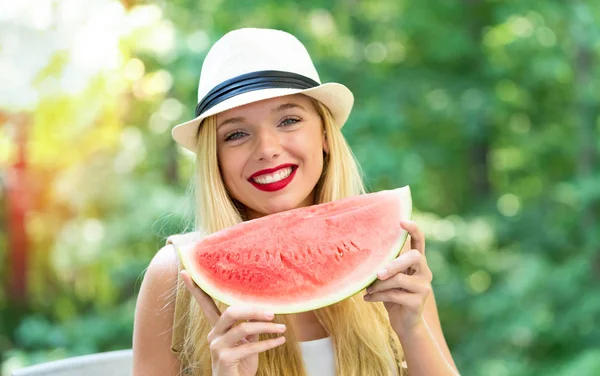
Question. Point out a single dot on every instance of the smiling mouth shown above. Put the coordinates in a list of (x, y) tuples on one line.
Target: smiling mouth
[(273, 177)]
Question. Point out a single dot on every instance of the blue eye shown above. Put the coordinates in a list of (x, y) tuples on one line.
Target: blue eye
[(235, 136), (289, 121)]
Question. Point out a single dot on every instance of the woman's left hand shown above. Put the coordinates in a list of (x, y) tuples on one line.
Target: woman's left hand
[(404, 284)]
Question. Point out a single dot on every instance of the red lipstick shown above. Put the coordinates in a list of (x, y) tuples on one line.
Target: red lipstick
[(275, 186)]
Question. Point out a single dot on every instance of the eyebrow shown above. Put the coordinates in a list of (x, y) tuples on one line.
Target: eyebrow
[(240, 119), (232, 120), (286, 106)]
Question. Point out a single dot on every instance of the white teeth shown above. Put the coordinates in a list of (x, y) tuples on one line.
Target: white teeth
[(274, 177)]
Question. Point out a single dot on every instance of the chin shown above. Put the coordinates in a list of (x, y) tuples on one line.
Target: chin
[(276, 207), (279, 204)]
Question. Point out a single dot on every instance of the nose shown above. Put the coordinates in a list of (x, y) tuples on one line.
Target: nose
[(268, 145)]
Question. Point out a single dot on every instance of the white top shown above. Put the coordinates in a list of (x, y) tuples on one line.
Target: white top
[(318, 357)]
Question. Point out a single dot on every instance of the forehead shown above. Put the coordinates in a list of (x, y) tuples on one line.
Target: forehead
[(265, 106)]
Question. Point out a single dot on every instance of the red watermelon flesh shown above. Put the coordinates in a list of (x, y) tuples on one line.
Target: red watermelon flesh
[(305, 258)]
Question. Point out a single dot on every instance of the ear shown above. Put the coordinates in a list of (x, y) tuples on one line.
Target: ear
[(325, 144)]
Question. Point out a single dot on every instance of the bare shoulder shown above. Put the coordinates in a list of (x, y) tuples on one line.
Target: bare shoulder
[(164, 263), (154, 313)]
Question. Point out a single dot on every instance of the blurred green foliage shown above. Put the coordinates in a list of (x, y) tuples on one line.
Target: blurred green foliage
[(489, 110)]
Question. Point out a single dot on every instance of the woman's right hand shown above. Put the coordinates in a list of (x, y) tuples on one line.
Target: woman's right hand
[(234, 348)]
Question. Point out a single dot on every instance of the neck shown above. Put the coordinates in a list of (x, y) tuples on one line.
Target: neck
[(308, 327)]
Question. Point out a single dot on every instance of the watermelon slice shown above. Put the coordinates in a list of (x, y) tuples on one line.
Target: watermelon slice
[(301, 259)]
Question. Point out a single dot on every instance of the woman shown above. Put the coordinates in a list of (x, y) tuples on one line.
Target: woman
[(267, 139)]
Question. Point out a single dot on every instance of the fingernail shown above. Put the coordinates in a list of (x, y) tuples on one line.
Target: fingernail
[(382, 273), (367, 297), (269, 315), (369, 290), (280, 327)]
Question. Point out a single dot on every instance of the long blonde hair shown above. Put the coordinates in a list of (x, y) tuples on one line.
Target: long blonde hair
[(364, 342)]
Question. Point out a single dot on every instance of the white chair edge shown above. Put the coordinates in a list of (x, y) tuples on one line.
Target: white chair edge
[(120, 358)]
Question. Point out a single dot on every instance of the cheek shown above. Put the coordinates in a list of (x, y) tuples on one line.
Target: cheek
[(318, 147), (313, 152), (310, 147), (230, 168)]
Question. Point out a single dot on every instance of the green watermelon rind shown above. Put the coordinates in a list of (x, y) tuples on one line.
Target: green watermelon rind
[(290, 308)]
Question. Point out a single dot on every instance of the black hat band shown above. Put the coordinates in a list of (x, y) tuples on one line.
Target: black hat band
[(253, 81)]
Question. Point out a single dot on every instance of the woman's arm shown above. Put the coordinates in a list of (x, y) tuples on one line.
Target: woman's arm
[(426, 351), (152, 332), (432, 319), (404, 286), (428, 339)]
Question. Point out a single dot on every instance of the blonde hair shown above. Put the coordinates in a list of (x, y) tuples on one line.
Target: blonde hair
[(364, 342)]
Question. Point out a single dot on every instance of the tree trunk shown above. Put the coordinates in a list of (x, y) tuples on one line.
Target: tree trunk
[(480, 146), (17, 207), (587, 110)]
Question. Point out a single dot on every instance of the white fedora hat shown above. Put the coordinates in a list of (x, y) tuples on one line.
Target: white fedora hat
[(248, 65)]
